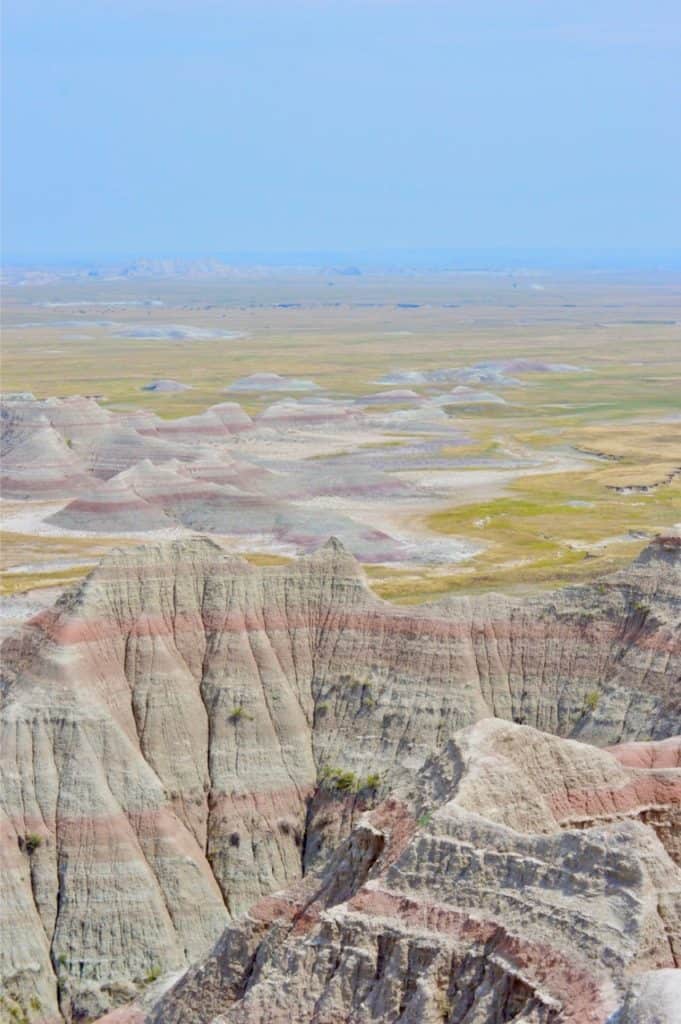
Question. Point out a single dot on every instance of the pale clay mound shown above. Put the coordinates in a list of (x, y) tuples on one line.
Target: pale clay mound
[(164, 385), (272, 382), (282, 482), (134, 472), (184, 735)]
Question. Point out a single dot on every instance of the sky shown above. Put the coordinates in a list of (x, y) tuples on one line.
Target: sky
[(197, 127)]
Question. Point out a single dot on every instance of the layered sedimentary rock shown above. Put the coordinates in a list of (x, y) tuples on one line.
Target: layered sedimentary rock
[(457, 900), (220, 472), (184, 734), (37, 461), (151, 497), (61, 447)]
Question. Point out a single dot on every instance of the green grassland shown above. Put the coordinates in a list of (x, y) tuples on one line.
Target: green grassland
[(543, 529), (38, 551), (345, 347)]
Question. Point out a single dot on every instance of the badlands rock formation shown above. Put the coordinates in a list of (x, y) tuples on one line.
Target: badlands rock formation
[(469, 811), (59, 447), (478, 895), (222, 472)]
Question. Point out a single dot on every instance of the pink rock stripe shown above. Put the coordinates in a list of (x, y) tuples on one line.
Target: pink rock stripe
[(108, 837), (585, 1000), (640, 794), (660, 754), (162, 823), (396, 821), (73, 630), (10, 483), (264, 803), (97, 507)]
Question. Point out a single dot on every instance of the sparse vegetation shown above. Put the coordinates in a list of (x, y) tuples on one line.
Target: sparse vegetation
[(20, 582), (346, 782), (15, 1011), (372, 781), (239, 714), (152, 975), (424, 819), (339, 780), (30, 842), (264, 558), (591, 700)]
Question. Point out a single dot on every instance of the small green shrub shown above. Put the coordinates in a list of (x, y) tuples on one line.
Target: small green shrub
[(239, 714), (347, 782), (591, 700), (339, 780), (35, 1003), (31, 842), (424, 819), (372, 781), (153, 974)]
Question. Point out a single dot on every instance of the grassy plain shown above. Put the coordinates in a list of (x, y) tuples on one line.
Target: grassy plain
[(621, 407)]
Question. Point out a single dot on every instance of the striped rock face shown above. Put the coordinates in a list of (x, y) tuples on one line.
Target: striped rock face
[(184, 735), (469, 896), (58, 448)]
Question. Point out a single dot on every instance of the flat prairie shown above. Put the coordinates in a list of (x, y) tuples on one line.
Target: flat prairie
[(532, 419)]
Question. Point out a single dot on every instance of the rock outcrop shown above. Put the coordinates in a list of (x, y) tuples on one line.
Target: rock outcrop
[(454, 902), (184, 735)]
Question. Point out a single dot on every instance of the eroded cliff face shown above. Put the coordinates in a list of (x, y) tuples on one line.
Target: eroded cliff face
[(184, 734), (481, 893)]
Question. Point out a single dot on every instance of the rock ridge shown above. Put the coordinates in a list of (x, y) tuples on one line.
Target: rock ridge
[(185, 734)]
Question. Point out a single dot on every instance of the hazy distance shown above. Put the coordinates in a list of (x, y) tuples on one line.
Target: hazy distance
[(269, 127)]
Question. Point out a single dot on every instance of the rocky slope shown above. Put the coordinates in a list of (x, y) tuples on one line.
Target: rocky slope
[(473, 897), (184, 734)]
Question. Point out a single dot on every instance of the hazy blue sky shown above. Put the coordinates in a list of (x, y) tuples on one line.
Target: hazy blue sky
[(191, 126)]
